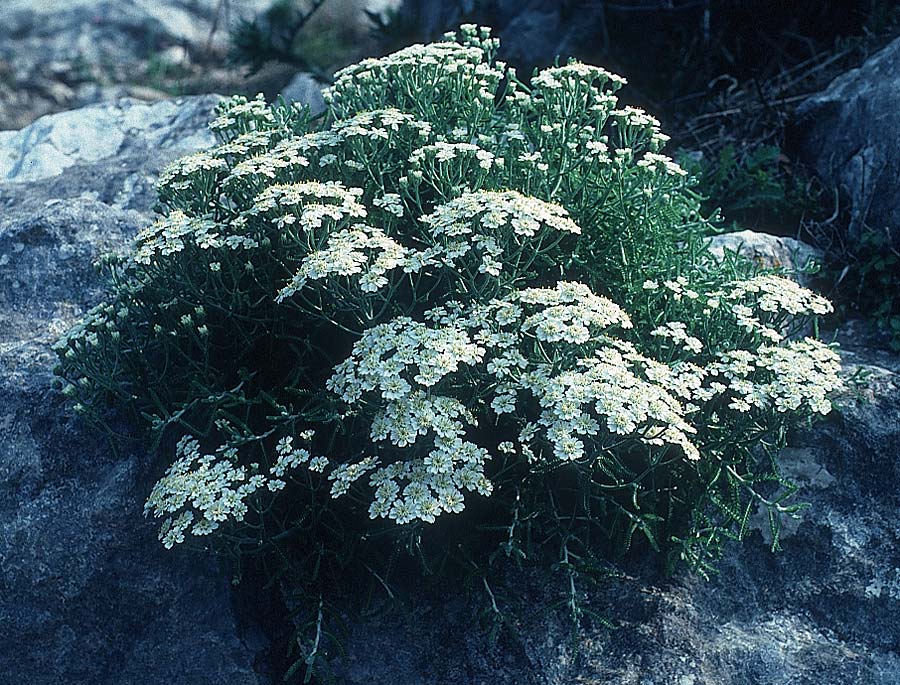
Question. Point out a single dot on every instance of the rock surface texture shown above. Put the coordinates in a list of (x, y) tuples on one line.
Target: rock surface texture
[(305, 89), (62, 54), (87, 594), (849, 134), (67, 53), (534, 32), (769, 251)]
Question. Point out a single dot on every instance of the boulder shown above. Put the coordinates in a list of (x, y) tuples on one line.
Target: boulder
[(532, 32), (794, 257), (63, 54), (87, 594), (305, 90), (120, 31), (848, 133), (109, 133)]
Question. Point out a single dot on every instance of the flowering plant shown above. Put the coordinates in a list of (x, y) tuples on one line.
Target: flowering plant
[(454, 295)]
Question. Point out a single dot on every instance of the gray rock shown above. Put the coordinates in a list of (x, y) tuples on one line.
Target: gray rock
[(87, 594), (304, 89), (793, 256), (532, 32), (101, 132), (62, 28), (849, 134), (64, 54)]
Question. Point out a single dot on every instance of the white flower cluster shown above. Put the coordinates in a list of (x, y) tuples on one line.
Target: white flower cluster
[(590, 400), (569, 312), (246, 145), (391, 357), (606, 386), (575, 74), (482, 220), (470, 221), (167, 236), (239, 114), (444, 152), (765, 299), (534, 158), (344, 475), (357, 251), (677, 332), (619, 388), (378, 124), (255, 160), (678, 287), (208, 488), (796, 376), (569, 103), (435, 481), (399, 367), (180, 174), (448, 55), (97, 328), (289, 457), (309, 203), (495, 210), (200, 492), (267, 165), (661, 163), (401, 361), (776, 294), (390, 203), (422, 489), (446, 67)]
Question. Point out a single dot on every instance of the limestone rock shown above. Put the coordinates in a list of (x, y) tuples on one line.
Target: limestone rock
[(110, 131), (769, 251), (849, 134), (84, 28), (65, 54), (305, 90), (87, 594)]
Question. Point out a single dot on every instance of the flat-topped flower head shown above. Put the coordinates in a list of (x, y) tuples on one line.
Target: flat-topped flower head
[(309, 204), (364, 253), (493, 210), (576, 73), (569, 312), (204, 489), (777, 294)]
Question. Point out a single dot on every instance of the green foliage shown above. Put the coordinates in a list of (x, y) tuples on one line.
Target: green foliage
[(752, 185), (876, 271), (456, 317), (275, 36), (161, 74)]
